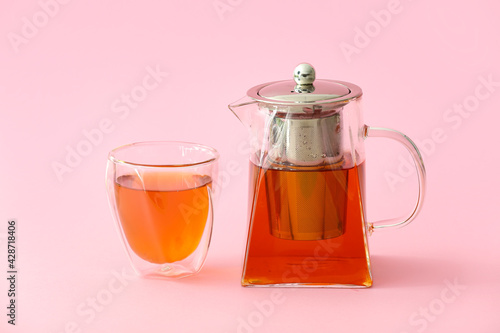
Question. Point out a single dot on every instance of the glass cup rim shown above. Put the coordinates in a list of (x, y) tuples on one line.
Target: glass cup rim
[(214, 154)]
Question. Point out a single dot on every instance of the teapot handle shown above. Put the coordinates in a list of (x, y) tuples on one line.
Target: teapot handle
[(380, 132)]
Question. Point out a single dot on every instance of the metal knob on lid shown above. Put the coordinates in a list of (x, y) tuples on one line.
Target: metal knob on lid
[(303, 91), (304, 76)]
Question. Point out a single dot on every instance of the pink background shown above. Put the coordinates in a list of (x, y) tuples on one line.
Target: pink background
[(65, 76)]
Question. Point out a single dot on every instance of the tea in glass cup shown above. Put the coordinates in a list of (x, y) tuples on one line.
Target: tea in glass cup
[(161, 194)]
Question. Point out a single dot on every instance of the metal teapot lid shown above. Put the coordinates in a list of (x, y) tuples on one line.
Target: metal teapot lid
[(305, 90)]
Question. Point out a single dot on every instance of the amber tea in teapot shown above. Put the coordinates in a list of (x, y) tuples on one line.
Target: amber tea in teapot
[(307, 224)]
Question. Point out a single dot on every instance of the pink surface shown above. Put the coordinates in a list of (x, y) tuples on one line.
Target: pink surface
[(424, 68)]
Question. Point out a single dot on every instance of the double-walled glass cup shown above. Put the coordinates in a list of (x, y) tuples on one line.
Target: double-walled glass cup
[(161, 195)]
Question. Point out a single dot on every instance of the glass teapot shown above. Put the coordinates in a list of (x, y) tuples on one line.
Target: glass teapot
[(307, 223)]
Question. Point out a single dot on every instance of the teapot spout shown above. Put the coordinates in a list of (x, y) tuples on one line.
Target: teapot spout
[(243, 110)]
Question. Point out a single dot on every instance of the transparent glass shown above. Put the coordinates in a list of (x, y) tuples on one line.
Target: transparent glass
[(161, 196), (307, 220)]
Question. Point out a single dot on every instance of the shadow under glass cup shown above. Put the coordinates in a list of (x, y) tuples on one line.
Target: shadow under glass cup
[(161, 196)]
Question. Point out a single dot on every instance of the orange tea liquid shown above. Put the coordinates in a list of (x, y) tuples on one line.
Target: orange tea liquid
[(163, 215), (307, 227)]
